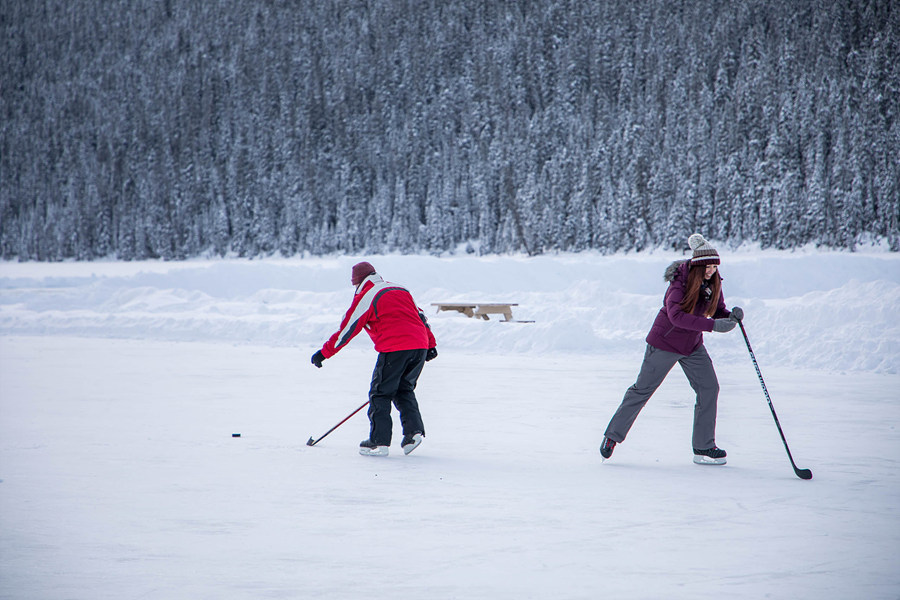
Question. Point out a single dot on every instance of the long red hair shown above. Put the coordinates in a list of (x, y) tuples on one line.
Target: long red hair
[(695, 279)]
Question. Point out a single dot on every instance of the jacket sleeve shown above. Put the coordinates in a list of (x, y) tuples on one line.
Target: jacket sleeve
[(431, 341), (721, 311), (353, 322), (678, 317)]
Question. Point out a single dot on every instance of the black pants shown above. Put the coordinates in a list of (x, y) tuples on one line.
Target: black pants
[(394, 381)]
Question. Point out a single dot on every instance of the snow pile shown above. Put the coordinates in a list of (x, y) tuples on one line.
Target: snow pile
[(807, 309)]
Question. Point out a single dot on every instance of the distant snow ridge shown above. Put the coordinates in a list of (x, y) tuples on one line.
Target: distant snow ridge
[(835, 311)]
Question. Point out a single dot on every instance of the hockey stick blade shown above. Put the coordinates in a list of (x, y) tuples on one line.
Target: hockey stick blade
[(803, 473), (310, 442)]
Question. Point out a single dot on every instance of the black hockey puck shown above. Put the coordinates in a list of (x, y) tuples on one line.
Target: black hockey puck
[(235, 435)]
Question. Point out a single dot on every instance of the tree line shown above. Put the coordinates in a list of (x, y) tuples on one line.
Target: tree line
[(171, 128)]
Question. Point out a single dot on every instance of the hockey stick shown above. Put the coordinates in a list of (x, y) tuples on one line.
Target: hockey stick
[(801, 473), (310, 442)]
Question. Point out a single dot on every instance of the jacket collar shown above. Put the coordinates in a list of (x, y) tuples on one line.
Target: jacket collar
[(375, 278)]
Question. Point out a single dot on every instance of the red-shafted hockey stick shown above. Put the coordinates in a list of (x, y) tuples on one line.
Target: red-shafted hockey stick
[(310, 442)]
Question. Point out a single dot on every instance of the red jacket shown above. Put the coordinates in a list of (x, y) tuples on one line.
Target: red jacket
[(388, 314)]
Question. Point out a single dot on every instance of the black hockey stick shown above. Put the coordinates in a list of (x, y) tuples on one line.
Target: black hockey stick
[(310, 442), (801, 473)]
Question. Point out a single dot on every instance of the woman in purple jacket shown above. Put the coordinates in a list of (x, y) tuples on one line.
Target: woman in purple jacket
[(693, 303)]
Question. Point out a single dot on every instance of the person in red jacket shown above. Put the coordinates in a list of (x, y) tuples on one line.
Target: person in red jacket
[(404, 343), (694, 303)]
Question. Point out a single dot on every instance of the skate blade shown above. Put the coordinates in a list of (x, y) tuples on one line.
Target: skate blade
[(705, 460), (378, 451)]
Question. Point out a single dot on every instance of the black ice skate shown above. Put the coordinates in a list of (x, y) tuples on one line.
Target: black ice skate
[(710, 456), (411, 442), (369, 448), (607, 447)]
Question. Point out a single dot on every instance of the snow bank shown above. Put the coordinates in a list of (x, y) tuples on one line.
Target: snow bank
[(823, 310)]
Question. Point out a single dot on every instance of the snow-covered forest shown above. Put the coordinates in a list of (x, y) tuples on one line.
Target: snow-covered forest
[(168, 129)]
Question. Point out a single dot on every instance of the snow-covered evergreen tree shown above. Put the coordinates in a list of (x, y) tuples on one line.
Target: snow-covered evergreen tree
[(165, 130)]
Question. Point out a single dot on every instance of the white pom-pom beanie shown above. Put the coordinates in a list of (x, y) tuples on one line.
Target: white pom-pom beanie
[(704, 254)]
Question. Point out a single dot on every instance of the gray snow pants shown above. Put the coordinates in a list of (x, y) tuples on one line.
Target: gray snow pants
[(657, 363)]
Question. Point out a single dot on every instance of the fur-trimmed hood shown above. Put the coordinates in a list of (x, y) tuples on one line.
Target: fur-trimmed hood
[(673, 269)]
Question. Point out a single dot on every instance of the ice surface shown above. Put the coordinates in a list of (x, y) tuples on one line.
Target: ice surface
[(121, 385)]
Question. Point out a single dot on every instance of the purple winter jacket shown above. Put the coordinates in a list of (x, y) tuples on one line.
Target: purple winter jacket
[(675, 330)]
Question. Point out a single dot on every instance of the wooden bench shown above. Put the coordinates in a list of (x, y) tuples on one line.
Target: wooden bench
[(481, 309)]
